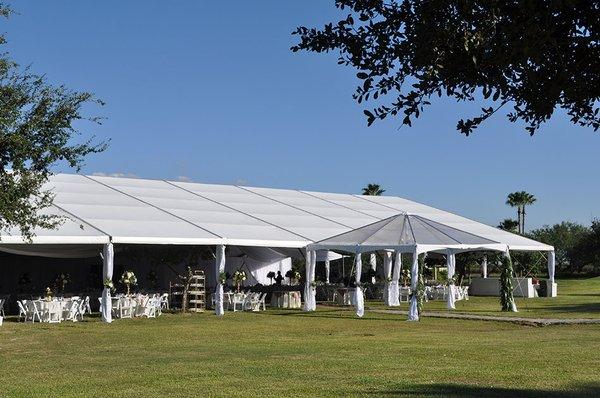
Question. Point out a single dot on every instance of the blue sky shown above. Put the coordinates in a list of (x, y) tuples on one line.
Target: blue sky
[(209, 91)]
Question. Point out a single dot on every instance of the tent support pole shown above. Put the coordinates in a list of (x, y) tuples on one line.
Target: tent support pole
[(108, 254), (219, 269)]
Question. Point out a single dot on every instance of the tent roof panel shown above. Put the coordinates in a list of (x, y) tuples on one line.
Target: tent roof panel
[(355, 203), (295, 220), (72, 230), (514, 241), (401, 231), (314, 205), (209, 215), (117, 214), (154, 211)]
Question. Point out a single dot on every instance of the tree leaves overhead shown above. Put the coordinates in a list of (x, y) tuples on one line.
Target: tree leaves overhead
[(526, 57), (36, 131)]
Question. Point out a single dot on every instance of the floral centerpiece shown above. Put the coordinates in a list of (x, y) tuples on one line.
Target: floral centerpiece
[(239, 276), (48, 296), (128, 279)]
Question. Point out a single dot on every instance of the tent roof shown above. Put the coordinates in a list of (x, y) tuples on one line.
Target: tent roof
[(128, 210), (404, 232)]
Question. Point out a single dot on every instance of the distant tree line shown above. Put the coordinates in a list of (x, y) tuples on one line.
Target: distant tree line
[(577, 246)]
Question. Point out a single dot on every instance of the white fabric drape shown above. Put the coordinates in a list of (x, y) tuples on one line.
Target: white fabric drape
[(108, 255), (307, 305), (551, 265), (413, 311), (310, 303), (394, 288), (313, 289), (219, 268), (327, 269), (484, 267), (451, 265), (373, 263), (359, 301), (387, 273)]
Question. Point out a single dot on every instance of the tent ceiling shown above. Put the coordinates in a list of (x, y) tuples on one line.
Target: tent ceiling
[(163, 212)]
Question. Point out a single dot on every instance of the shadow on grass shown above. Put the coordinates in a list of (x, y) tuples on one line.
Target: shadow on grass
[(581, 294), (334, 314), (471, 391), (582, 307)]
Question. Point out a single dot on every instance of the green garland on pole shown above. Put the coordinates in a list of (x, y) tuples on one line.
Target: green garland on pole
[(507, 300)]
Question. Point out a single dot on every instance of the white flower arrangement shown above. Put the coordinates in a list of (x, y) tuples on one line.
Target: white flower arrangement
[(128, 279), (239, 276)]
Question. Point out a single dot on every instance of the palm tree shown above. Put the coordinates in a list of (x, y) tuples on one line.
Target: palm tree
[(373, 190), (508, 224), (520, 199)]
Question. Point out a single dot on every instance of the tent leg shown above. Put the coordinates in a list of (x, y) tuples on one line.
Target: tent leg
[(387, 273), (395, 283), (107, 275), (219, 268), (484, 270), (359, 301), (451, 264), (413, 310), (373, 262)]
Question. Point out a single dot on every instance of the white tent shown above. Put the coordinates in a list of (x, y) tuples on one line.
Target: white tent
[(128, 210), (107, 210), (405, 233)]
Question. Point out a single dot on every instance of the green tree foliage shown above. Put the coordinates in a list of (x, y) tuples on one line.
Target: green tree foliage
[(568, 240), (532, 56), (510, 225), (38, 129), (590, 247), (467, 263), (373, 190), (519, 200)]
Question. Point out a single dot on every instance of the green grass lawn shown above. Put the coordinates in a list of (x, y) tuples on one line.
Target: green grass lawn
[(291, 353), (577, 298)]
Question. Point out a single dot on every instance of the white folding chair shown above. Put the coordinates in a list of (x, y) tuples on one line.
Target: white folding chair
[(405, 294), (34, 309), (125, 307), (150, 308), (2, 301), (69, 313), (261, 301), (86, 306), (164, 301), (80, 310), (238, 298), (139, 305), (54, 312), (22, 312), (465, 290), (252, 302)]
